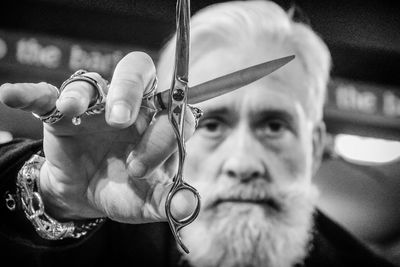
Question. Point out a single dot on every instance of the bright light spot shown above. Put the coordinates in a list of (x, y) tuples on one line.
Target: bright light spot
[(5, 137), (366, 149)]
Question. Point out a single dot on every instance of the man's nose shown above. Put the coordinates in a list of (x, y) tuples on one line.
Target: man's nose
[(243, 158)]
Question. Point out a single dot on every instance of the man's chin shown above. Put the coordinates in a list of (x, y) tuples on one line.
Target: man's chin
[(248, 233)]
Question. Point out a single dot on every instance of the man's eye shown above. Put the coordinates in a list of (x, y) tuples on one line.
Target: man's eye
[(213, 127), (273, 128)]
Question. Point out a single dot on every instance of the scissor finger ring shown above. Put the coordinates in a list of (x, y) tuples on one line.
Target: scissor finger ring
[(175, 223)]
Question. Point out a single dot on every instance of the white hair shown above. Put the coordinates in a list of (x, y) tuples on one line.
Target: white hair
[(240, 235), (244, 23)]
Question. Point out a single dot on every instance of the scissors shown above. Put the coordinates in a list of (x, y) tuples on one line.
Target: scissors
[(180, 95), (178, 101)]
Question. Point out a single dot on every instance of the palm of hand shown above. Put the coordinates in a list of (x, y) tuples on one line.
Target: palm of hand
[(90, 163)]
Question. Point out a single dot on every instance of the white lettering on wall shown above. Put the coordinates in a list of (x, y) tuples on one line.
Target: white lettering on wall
[(391, 104), (93, 60), (30, 52), (349, 98)]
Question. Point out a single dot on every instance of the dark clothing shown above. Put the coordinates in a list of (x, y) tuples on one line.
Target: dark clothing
[(135, 245)]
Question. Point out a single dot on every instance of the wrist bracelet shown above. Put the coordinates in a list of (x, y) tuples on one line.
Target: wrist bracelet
[(33, 206)]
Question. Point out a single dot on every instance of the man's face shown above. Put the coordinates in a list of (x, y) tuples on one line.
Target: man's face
[(251, 160)]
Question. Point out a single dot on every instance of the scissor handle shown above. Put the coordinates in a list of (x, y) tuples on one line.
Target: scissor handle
[(175, 224), (176, 108)]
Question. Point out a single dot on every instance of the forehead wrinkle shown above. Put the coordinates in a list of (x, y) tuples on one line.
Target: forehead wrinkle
[(298, 84), (252, 100), (259, 110), (222, 105), (297, 91), (290, 79)]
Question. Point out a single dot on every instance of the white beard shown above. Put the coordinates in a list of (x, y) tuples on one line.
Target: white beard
[(248, 234)]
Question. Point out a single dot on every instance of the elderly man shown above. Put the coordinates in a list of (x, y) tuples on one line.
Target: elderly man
[(252, 158)]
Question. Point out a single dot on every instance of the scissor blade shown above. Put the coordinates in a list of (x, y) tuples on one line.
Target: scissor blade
[(182, 40), (235, 80), (227, 83)]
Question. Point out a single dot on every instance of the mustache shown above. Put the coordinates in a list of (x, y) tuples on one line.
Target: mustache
[(258, 191)]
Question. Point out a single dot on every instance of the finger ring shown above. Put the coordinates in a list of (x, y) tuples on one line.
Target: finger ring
[(150, 90), (52, 116), (96, 106), (197, 113)]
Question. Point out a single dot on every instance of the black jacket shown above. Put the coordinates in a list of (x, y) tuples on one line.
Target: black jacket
[(136, 245)]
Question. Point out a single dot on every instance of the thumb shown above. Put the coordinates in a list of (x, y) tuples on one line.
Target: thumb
[(157, 144)]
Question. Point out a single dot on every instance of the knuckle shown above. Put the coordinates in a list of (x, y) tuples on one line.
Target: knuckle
[(78, 89), (13, 96), (51, 90)]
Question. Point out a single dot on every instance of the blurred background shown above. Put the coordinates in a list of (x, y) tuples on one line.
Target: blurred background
[(47, 40)]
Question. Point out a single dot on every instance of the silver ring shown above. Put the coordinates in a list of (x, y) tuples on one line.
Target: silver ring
[(150, 90), (96, 106), (197, 113), (52, 116)]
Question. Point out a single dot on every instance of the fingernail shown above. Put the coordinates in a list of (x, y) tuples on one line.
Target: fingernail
[(137, 168), (120, 112)]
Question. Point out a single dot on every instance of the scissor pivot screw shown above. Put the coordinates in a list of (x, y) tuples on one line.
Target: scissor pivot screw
[(178, 95)]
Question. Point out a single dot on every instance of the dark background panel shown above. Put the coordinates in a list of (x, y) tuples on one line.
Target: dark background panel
[(363, 36)]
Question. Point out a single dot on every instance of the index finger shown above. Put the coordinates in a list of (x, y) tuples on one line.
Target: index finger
[(132, 75), (39, 98)]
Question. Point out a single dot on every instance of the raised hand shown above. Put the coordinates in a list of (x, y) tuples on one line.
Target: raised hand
[(116, 164)]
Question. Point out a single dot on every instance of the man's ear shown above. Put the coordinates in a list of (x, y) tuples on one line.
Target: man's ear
[(319, 135)]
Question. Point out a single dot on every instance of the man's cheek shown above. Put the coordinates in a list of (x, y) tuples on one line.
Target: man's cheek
[(199, 174), (193, 167), (294, 163), (196, 157)]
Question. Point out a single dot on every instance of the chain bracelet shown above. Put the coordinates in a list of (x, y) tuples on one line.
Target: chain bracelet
[(31, 202)]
